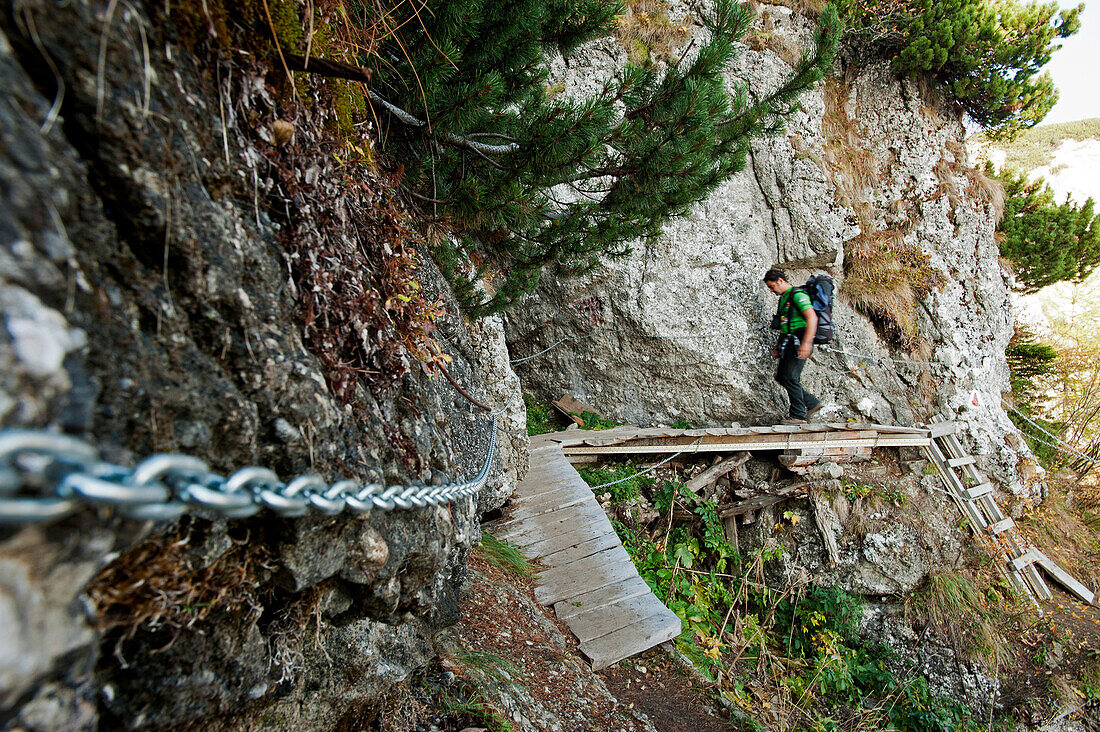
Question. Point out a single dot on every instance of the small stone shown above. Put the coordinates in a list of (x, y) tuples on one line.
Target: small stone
[(286, 432)]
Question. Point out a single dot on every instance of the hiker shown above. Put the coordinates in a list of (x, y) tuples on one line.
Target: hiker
[(796, 322)]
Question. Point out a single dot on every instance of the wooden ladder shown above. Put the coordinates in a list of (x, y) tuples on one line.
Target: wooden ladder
[(973, 493)]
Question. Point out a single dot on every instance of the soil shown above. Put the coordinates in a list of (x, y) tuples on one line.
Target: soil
[(657, 684), (550, 679)]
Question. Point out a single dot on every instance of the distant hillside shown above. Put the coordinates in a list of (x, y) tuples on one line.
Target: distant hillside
[(1067, 157), (1036, 147)]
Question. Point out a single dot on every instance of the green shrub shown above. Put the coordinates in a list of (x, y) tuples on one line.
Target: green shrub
[(540, 417), (1046, 242), (987, 54), (484, 145)]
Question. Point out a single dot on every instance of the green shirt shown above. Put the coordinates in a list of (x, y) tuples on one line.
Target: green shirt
[(801, 304)]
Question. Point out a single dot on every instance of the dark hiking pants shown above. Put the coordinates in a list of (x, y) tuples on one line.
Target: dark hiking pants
[(789, 375)]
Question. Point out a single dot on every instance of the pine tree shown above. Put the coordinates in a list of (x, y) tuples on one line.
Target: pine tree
[(527, 179), (988, 54), (1047, 242)]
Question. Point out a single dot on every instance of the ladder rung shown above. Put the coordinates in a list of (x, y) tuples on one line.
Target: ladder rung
[(982, 489), (1002, 526), (1029, 557), (942, 428), (960, 461)]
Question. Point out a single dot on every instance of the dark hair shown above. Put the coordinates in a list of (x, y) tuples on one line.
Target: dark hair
[(774, 275)]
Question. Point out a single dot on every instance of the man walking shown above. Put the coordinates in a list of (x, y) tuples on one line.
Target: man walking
[(797, 325)]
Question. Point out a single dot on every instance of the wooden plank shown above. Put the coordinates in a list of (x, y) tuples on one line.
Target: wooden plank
[(713, 473), (940, 429), (601, 621), (960, 461), (625, 642), (522, 513), (629, 587), (1065, 579), (1002, 526), (580, 583), (582, 566), (515, 527), (1028, 557), (566, 491), (576, 551), (571, 538), (794, 442), (762, 501), (543, 527), (984, 489), (1033, 578)]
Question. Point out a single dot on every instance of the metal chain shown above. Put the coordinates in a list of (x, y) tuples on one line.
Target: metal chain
[(47, 475), (1061, 446), (651, 468)]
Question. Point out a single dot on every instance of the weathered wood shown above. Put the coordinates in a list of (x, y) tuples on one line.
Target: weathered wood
[(982, 489), (630, 587), (601, 621), (607, 649), (1065, 579), (581, 566), (1001, 526), (582, 549), (729, 526), (940, 429), (713, 473), (578, 583), (574, 537), (516, 527), (960, 461), (762, 501), (550, 525), (1028, 557)]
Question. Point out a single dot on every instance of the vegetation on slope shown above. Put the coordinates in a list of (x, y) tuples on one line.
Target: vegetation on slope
[(1035, 147), (1046, 242), (987, 54)]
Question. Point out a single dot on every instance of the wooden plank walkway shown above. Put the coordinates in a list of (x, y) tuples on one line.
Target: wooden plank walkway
[(595, 588), (589, 578)]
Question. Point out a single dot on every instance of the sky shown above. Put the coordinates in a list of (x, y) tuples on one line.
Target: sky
[(1075, 69)]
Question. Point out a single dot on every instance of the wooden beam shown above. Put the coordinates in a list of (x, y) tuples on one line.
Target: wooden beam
[(1002, 526), (982, 489), (715, 472), (939, 429), (965, 460), (1029, 557), (1063, 578)]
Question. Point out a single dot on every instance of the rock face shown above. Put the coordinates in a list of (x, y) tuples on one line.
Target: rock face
[(678, 329), (147, 307)]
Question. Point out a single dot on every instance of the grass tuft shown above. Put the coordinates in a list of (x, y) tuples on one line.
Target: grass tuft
[(968, 614), (501, 554)]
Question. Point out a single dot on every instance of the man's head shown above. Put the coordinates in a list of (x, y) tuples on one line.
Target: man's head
[(776, 281)]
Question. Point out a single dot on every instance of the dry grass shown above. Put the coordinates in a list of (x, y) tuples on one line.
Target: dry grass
[(810, 8), (648, 34), (157, 584), (885, 277), (969, 611), (766, 38), (982, 187), (854, 169)]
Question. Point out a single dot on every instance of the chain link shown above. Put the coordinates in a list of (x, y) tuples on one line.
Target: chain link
[(46, 476)]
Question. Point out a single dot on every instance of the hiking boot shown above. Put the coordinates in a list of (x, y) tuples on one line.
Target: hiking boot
[(794, 420), (810, 412)]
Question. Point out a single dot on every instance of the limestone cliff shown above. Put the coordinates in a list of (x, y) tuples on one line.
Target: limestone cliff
[(677, 330), (152, 303)]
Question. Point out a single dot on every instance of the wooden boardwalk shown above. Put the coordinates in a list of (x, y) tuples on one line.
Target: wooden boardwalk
[(589, 578)]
